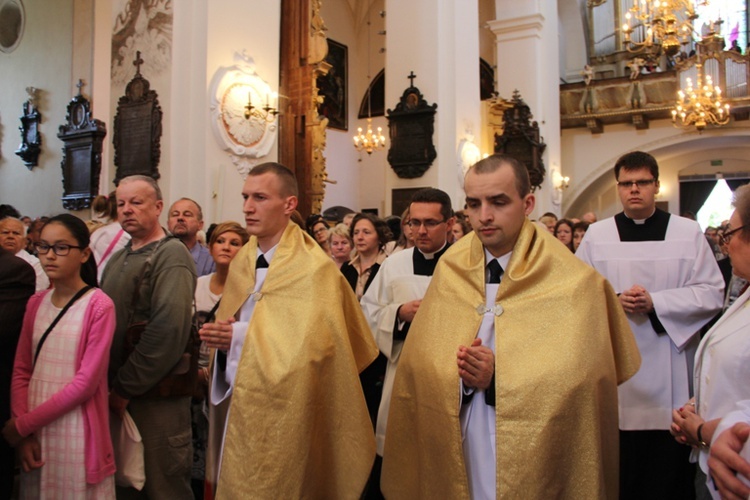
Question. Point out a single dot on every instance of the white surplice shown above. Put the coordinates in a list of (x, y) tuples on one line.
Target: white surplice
[(681, 275), (722, 367), (395, 284)]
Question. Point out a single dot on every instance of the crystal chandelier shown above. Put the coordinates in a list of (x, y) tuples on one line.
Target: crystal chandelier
[(664, 24), (369, 141), (700, 105)]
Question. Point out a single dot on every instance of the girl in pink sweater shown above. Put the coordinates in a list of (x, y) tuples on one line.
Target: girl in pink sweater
[(60, 422)]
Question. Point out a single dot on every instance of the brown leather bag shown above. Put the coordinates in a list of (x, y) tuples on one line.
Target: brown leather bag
[(182, 379)]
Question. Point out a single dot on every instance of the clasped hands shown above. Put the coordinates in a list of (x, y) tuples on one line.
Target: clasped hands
[(476, 365), (217, 335), (636, 300), (29, 449), (685, 422)]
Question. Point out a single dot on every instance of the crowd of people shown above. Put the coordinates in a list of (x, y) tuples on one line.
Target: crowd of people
[(435, 354)]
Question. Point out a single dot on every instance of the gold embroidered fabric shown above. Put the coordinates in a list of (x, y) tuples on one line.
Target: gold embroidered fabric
[(298, 424), (562, 346)]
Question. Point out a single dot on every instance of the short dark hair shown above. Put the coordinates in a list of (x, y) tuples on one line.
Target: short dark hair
[(432, 195), (637, 160), (9, 211), (493, 162), (286, 176), (581, 225), (384, 233)]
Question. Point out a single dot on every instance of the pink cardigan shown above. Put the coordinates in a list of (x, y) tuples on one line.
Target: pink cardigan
[(87, 389)]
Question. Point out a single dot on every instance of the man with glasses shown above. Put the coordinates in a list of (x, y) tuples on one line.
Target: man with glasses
[(393, 298), (13, 239), (669, 286)]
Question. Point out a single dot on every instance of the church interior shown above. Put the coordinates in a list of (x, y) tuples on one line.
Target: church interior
[(241, 82)]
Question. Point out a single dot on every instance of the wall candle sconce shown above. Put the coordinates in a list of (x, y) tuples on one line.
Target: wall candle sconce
[(267, 112), (560, 183)]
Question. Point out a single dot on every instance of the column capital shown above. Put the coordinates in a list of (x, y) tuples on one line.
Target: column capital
[(527, 26)]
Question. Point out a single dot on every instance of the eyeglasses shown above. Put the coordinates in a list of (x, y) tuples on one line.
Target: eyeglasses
[(428, 224), (60, 249), (726, 236), (321, 230), (642, 183)]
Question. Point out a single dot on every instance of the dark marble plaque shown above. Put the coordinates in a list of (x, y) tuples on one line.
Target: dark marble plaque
[(81, 165), (137, 126), (411, 126)]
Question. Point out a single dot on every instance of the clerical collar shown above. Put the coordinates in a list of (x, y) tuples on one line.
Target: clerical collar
[(424, 264), (653, 228), (502, 260), (268, 255), (640, 222), (430, 256)]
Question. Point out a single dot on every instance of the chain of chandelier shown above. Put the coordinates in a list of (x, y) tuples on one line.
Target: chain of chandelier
[(369, 141)]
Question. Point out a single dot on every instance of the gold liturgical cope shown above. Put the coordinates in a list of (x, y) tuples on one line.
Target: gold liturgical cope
[(562, 346), (298, 424)]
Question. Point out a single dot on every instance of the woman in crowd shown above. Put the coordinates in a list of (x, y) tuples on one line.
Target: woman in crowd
[(59, 393), (405, 239), (460, 228), (109, 238), (723, 356), (579, 230), (369, 235), (548, 220), (564, 232), (226, 240), (318, 229), (340, 244)]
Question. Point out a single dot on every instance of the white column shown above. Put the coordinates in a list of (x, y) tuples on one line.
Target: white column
[(528, 60), (439, 41)]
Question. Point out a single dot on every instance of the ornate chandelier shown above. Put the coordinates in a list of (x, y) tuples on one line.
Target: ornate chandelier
[(369, 141), (700, 105), (664, 24)]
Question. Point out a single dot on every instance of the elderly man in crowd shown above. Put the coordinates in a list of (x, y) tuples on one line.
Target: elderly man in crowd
[(507, 383), (669, 285), (13, 239), (152, 280), (298, 424), (184, 222)]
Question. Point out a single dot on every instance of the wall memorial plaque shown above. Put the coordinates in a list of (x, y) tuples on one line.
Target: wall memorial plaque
[(411, 126), (81, 165), (137, 129), (31, 139), (520, 139)]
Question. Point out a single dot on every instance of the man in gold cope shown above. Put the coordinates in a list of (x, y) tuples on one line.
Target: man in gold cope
[(507, 383), (297, 425)]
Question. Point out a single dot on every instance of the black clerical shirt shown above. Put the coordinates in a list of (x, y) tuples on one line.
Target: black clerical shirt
[(653, 228)]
